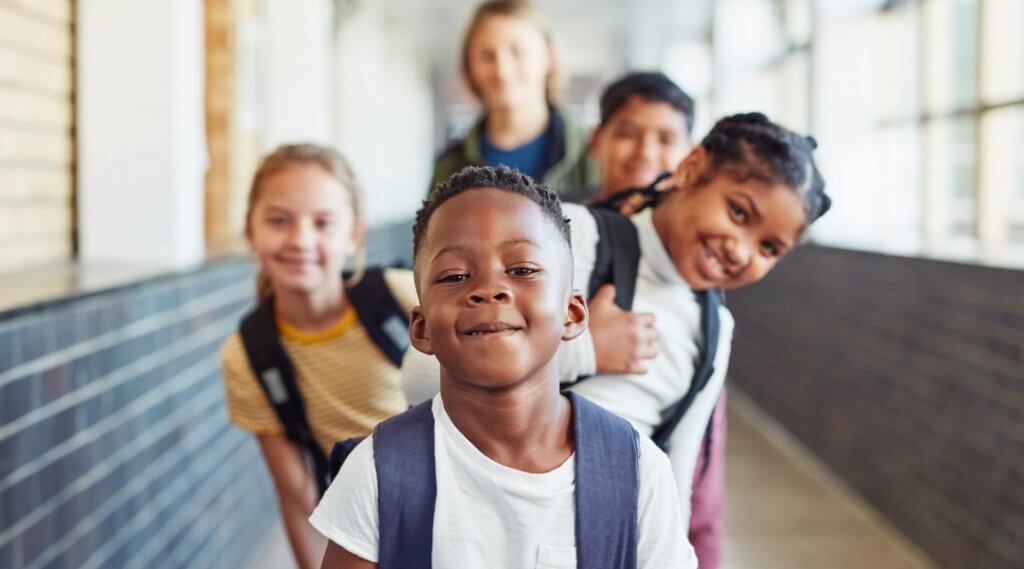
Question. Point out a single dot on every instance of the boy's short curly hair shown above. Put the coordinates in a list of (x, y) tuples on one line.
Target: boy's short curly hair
[(490, 177)]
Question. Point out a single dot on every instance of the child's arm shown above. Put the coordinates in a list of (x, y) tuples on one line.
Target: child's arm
[(347, 514), (296, 496), (337, 557), (686, 439), (661, 532)]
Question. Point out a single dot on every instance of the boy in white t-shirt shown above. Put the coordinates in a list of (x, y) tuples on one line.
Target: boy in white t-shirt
[(522, 476)]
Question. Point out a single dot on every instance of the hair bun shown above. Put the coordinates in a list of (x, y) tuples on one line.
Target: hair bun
[(812, 142)]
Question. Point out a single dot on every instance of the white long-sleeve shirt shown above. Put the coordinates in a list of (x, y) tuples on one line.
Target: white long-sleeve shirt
[(640, 399)]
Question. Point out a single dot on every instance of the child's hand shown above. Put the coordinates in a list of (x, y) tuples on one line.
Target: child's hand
[(622, 340)]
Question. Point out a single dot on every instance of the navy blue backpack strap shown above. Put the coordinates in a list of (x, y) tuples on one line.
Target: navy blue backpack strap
[(276, 375), (403, 449), (617, 259), (607, 487), (382, 316), (710, 301)]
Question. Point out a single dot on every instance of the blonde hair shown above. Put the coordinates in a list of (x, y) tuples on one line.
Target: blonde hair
[(305, 154), (523, 10)]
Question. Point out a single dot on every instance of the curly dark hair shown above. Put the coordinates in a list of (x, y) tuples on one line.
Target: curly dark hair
[(750, 145), (488, 177)]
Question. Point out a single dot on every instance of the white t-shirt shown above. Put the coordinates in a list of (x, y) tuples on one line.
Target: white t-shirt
[(489, 515), (639, 399)]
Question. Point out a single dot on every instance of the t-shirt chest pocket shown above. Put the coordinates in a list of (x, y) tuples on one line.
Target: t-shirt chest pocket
[(549, 557)]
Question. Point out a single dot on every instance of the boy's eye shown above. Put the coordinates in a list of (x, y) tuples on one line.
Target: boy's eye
[(738, 212), (452, 278), (522, 271), (770, 249)]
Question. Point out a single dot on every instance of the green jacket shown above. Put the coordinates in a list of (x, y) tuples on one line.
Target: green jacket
[(569, 167)]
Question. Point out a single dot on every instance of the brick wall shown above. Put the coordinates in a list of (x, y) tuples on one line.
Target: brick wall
[(36, 132), (906, 377), (115, 449)]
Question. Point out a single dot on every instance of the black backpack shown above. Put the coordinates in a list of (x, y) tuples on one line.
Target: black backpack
[(617, 262), (384, 320)]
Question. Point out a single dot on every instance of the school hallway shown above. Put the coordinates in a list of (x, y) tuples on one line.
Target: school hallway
[(784, 510)]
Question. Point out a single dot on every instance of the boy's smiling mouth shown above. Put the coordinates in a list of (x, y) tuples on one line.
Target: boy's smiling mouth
[(489, 330)]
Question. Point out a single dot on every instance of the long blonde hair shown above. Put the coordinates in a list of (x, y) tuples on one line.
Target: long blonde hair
[(308, 155), (523, 10)]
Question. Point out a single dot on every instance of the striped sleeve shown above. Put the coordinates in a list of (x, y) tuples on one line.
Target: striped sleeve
[(248, 407)]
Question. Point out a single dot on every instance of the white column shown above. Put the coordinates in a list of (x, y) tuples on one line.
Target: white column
[(299, 36), (141, 144)]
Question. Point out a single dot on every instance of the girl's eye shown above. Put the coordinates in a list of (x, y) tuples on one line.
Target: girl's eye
[(324, 224), (277, 221), (738, 212), (522, 271), (452, 278), (770, 249)]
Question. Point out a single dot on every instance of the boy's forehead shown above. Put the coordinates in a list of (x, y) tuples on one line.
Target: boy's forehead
[(637, 106), (488, 215)]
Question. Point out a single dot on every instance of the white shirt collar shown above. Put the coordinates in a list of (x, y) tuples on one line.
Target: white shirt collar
[(653, 251)]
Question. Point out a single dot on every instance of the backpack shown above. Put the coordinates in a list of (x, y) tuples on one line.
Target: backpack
[(606, 495), (385, 322), (617, 262)]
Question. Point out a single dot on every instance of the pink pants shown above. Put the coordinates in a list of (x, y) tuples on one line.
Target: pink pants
[(708, 500)]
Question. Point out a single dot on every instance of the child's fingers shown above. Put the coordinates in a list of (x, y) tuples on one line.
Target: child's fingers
[(644, 319), (647, 351), (636, 368)]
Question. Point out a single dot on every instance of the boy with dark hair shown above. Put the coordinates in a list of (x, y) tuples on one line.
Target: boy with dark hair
[(645, 130), (500, 469)]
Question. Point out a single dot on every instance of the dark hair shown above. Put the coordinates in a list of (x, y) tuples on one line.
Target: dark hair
[(487, 177), (750, 145), (653, 87)]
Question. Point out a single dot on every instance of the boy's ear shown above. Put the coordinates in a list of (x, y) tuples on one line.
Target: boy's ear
[(592, 145), (577, 317), (418, 336)]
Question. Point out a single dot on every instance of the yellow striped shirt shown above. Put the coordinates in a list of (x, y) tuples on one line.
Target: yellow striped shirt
[(347, 384)]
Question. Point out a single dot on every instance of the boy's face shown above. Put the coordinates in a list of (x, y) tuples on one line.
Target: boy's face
[(495, 286), (727, 233), (640, 141)]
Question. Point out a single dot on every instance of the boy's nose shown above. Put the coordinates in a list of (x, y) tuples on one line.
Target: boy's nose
[(489, 294)]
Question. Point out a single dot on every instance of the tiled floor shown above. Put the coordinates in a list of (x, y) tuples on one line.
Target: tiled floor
[(783, 512)]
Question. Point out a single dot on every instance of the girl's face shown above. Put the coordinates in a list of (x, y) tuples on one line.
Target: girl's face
[(508, 62), (302, 228), (727, 233)]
